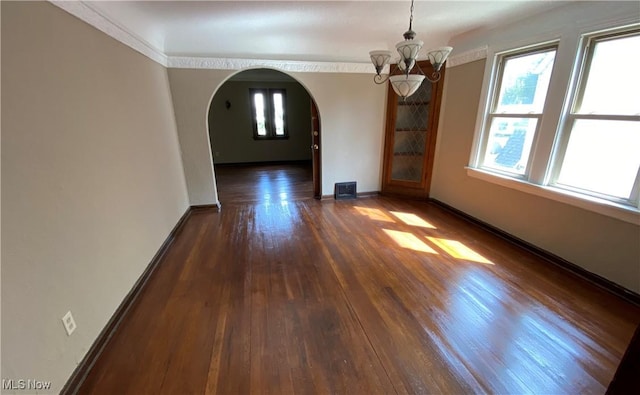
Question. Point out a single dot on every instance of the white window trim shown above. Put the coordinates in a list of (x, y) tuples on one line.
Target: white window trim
[(569, 117), (489, 114), (541, 156)]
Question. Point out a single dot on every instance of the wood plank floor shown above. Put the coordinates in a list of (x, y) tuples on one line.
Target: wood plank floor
[(264, 182), (366, 296)]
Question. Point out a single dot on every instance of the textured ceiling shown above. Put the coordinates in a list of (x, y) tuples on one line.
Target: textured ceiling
[(334, 31)]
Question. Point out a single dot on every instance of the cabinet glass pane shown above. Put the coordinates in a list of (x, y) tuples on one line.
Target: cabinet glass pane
[(407, 168), (422, 95), (410, 135), (411, 117)]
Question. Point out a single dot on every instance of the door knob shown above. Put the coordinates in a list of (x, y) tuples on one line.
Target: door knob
[(315, 146)]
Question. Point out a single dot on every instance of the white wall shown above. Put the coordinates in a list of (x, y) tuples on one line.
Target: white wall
[(352, 113), (603, 245), (92, 183)]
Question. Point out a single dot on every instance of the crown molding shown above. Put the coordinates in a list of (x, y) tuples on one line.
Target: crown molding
[(179, 62), (85, 12), (468, 57)]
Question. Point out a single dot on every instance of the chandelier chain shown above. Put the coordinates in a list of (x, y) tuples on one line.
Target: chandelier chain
[(411, 17)]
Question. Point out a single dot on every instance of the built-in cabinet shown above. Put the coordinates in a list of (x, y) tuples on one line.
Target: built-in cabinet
[(410, 139)]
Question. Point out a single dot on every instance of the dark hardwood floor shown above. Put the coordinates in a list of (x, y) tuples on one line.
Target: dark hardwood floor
[(284, 294), (264, 182)]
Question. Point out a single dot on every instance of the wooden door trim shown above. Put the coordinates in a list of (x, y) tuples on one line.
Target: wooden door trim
[(316, 157)]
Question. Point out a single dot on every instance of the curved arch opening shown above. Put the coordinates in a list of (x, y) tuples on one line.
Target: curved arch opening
[(264, 125)]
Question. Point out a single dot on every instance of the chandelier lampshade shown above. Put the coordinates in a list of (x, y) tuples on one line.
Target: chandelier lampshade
[(408, 51), (406, 85), (380, 59), (438, 56)]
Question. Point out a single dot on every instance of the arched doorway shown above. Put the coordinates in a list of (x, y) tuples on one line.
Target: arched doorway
[(266, 120)]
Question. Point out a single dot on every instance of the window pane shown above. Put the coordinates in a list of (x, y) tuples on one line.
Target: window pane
[(509, 144), (602, 156), (278, 113), (525, 81), (613, 82), (258, 99)]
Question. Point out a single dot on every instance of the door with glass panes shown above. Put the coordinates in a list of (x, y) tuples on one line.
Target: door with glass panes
[(410, 139)]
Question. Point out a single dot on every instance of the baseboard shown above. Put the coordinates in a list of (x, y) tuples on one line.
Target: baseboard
[(601, 282), (216, 206), (81, 372), (266, 163), (368, 194), (359, 195)]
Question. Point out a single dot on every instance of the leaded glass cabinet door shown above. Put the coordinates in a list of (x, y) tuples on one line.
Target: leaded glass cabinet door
[(410, 139)]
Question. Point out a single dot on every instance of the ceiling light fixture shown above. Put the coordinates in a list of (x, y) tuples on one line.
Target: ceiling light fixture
[(405, 84)]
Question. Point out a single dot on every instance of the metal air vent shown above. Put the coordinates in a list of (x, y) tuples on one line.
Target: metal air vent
[(345, 190)]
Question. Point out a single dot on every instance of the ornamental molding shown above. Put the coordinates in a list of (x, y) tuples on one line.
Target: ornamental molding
[(467, 57), (179, 62)]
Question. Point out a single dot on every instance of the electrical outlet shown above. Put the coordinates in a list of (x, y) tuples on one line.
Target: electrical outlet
[(69, 323)]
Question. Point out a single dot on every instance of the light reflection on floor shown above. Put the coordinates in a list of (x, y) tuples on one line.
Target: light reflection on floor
[(531, 344), (477, 326)]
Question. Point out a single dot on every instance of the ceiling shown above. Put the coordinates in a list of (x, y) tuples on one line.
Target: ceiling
[(318, 31)]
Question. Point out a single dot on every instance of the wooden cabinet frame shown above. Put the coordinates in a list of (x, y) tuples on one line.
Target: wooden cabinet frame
[(414, 189)]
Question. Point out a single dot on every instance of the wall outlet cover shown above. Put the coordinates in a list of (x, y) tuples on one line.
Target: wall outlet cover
[(69, 323)]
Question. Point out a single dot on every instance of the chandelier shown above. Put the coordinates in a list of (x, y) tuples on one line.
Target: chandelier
[(406, 84)]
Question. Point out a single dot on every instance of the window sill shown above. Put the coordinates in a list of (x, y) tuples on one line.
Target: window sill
[(270, 138), (600, 206)]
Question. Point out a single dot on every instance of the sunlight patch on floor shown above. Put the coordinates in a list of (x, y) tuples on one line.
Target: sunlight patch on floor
[(412, 219), (458, 250), (409, 240), (374, 214)]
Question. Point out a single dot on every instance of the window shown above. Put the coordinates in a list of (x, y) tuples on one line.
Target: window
[(515, 112), (572, 137), (599, 148), (269, 117)]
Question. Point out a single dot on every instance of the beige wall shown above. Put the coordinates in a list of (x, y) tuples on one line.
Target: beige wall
[(600, 244), (231, 130), (352, 111), (192, 91), (92, 183)]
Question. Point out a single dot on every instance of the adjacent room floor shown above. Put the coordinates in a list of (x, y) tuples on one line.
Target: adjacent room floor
[(280, 293)]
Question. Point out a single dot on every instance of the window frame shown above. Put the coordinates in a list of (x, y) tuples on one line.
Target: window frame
[(490, 113), (544, 151), (570, 115), (269, 113)]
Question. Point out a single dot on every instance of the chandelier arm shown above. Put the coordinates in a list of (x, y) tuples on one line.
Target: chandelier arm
[(435, 77), (378, 79)]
